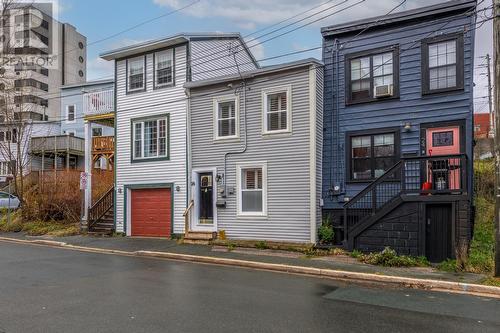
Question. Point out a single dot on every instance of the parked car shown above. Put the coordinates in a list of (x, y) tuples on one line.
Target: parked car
[(9, 201)]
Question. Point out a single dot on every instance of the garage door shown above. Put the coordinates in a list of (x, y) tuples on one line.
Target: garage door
[(151, 212)]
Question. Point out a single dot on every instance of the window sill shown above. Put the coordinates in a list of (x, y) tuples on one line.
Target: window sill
[(442, 91), (164, 86), (372, 100), (241, 216), (277, 133), (230, 139), (153, 159), (131, 92)]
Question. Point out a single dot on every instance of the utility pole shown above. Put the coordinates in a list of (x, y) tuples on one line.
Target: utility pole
[(491, 131), (496, 62)]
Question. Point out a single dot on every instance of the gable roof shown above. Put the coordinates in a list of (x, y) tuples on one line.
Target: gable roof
[(176, 39), (253, 73), (399, 17)]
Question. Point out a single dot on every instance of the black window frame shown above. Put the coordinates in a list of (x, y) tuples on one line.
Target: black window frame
[(424, 51), (370, 53), (371, 133)]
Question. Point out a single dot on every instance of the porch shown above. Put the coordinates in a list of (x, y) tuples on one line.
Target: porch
[(394, 210), (59, 151)]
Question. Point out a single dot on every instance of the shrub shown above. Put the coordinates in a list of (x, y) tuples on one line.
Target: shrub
[(389, 258), (261, 245), (326, 233), (356, 254)]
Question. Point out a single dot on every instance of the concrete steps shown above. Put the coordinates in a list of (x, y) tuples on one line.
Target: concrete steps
[(199, 237)]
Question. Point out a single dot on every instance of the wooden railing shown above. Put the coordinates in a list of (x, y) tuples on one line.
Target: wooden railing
[(103, 144), (101, 207), (420, 175), (99, 102), (186, 216), (58, 143)]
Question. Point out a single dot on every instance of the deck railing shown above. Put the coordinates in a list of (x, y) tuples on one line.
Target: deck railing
[(99, 102), (422, 175), (103, 144), (58, 143)]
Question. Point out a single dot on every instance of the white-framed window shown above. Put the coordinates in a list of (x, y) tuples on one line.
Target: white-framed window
[(226, 118), (136, 74), (252, 189), (277, 113), (164, 68), (150, 138), (70, 113), (6, 168)]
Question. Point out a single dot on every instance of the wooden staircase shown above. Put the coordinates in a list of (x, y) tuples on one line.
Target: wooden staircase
[(101, 215)]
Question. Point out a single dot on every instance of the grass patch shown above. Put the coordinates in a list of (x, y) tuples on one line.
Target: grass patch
[(492, 281), (482, 249), (389, 258), (37, 228)]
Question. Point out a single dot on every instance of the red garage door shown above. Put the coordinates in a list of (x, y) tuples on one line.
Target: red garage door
[(151, 212)]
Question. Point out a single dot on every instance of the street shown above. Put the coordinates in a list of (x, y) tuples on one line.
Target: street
[(47, 289)]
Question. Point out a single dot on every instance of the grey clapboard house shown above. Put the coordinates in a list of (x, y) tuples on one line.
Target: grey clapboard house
[(397, 166), (150, 124), (256, 144)]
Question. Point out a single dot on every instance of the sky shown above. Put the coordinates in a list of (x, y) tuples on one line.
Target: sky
[(110, 24)]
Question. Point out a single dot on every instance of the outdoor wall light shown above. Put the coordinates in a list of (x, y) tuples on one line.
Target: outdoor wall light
[(407, 126), (178, 188)]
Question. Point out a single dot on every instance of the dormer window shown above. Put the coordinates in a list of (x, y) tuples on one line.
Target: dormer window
[(164, 68), (136, 73), (371, 76)]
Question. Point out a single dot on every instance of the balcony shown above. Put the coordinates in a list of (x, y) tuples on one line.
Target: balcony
[(59, 144), (103, 144), (97, 103)]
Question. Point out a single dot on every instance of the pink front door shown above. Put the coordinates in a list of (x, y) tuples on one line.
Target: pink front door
[(443, 174)]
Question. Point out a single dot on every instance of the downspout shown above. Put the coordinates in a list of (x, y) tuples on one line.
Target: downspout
[(335, 179), (226, 155)]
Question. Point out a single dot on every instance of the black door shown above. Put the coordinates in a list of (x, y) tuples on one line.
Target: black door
[(206, 208), (438, 232)]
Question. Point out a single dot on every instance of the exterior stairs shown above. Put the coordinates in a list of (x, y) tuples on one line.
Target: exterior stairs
[(199, 237), (105, 225)]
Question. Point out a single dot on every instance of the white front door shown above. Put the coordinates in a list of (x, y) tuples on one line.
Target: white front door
[(204, 214)]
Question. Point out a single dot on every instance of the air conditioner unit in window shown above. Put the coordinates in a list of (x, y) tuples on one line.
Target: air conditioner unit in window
[(384, 90)]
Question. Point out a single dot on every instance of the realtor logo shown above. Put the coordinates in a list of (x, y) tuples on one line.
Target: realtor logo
[(28, 35)]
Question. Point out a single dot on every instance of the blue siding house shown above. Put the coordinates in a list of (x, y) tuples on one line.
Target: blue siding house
[(397, 145)]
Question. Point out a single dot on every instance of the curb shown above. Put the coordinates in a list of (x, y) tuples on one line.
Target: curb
[(405, 282)]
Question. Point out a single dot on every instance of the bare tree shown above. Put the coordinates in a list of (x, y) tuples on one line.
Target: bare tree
[(20, 98)]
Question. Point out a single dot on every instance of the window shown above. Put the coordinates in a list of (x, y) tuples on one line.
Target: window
[(5, 168), (2, 136), (277, 116), (371, 76), (164, 68), (226, 118), (97, 131), (372, 155), (252, 184), (136, 74), (442, 64), (150, 138), (70, 113)]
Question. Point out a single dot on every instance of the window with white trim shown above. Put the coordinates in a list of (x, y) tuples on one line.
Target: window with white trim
[(226, 119), (136, 74), (150, 138), (164, 68), (277, 111), (252, 190), (70, 113)]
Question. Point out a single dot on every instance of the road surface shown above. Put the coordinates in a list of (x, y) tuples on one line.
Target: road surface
[(45, 289)]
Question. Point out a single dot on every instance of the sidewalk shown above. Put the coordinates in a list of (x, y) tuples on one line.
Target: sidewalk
[(338, 263)]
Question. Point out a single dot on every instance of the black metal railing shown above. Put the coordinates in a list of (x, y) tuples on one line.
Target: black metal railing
[(422, 175)]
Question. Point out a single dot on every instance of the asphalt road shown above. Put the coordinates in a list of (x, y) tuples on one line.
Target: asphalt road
[(46, 289)]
